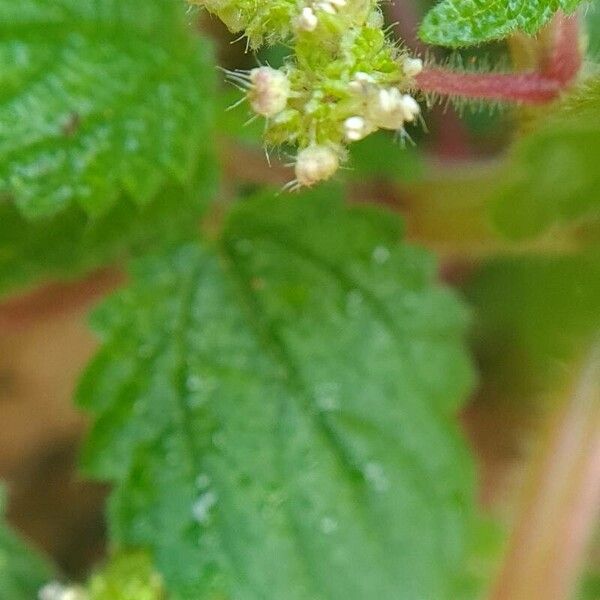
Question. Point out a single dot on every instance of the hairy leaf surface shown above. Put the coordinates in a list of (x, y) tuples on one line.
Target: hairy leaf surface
[(22, 571), (553, 176), (457, 23), (278, 412), (97, 98)]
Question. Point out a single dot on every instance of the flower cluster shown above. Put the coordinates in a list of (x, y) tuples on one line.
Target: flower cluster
[(57, 591), (345, 79)]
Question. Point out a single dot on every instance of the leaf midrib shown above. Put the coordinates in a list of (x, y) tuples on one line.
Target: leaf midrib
[(275, 347)]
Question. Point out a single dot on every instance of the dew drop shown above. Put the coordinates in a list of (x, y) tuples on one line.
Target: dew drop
[(64, 192), (380, 255), (202, 507), (328, 525), (132, 144), (376, 476), (194, 383), (326, 395)]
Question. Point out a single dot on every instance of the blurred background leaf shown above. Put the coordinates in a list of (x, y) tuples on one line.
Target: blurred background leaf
[(552, 177)]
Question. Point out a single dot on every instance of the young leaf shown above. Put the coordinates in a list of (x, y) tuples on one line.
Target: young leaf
[(98, 97), (553, 175), (22, 571), (278, 413), (457, 23)]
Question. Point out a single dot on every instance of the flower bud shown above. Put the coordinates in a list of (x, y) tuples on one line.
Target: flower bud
[(411, 107), (269, 91), (57, 591), (412, 66), (389, 109), (327, 7), (356, 128), (316, 163), (360, 83), (307, 20), (386, 109)]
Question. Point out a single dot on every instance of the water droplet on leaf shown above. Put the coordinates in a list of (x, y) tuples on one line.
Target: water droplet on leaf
[(376, 476), (328, 525), (380, 255), (202, 507)]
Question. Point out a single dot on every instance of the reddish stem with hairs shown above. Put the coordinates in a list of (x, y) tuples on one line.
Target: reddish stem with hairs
[(556, 72)]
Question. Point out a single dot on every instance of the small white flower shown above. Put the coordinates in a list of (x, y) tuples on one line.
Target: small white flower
[(411, 107), (326, 7), (203, 505), (385, 108), (307, 20), (412, 66), (388, 100), (361, 83), (316, 163), (356, 128), (57, 591), (389, 109), (51, 591), (363, 77), (269, 91)]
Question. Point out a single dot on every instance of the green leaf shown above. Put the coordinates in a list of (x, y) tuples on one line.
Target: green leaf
[(22, 571), (97, 98), (457, 23), (278, 412), (72, 243), (553, 177)]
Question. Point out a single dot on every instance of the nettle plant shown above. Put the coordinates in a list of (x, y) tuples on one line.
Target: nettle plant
[(275, 400)]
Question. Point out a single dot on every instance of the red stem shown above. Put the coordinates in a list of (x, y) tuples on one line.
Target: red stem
[(557, 71), (530, 88)]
